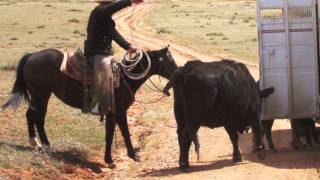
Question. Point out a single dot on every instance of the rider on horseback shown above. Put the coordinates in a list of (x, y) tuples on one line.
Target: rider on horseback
[(98, 50)]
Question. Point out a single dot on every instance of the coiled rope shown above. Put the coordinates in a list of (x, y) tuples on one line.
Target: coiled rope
[(129, 63)]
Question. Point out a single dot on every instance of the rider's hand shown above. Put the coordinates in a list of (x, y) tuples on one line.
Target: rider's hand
[(136, 1), (132, 49)]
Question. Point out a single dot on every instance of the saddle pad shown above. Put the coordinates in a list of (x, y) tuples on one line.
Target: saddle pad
[(71, 66)]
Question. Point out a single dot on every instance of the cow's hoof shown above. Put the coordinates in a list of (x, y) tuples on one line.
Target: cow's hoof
[(184, 168), (297, 144), (261, 154), (273, 150), (308, 145), (237, 159)]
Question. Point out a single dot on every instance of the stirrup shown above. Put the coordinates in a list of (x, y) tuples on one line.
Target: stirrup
[(95, 110)]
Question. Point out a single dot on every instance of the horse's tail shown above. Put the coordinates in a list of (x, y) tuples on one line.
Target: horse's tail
[(19, 91)]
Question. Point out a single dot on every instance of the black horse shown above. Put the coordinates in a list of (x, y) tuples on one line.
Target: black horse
[(38, 76)]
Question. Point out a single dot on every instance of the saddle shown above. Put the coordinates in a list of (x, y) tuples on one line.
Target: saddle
[(75, 66)]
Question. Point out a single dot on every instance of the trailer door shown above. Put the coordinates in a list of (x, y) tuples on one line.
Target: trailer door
[(288, 57)]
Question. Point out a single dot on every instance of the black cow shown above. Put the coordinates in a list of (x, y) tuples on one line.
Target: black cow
[(215, 94)]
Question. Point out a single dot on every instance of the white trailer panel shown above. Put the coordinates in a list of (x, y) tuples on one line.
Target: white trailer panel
[(288, 48)]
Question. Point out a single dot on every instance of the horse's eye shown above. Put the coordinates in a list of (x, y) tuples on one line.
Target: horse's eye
[(161, 59), (169, 56)]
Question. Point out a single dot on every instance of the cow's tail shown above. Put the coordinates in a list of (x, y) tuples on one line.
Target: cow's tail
[(19, 91), (196, 143), (194, 138)]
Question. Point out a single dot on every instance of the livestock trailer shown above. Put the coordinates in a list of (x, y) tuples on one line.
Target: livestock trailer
[(288, 33)]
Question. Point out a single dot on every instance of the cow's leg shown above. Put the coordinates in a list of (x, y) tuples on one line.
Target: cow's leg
[(266, 130), (234, 137), (182, 134), (258, 146), (123, 125), (179, 115), (296, 143), (308, 138), (109, 128), (308, 128), (314, 133), (184, 150)]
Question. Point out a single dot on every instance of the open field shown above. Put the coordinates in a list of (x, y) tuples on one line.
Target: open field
[(225, 28), (78, 139)]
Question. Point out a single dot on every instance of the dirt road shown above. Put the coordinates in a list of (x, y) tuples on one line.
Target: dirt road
[(216, 147)]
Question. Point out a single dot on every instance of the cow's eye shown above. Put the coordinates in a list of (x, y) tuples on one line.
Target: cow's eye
[(161, 59)]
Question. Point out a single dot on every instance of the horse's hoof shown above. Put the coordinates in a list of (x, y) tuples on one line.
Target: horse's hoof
[(47, 148), (34, 143), (38, 148), (111, 165), (136, 158), (108, 160)]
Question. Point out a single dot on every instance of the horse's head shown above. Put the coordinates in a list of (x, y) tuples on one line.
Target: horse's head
[(163, 63)]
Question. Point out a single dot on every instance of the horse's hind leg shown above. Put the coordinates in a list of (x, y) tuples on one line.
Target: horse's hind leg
[(36, 116), (31, 114), (110, 128)]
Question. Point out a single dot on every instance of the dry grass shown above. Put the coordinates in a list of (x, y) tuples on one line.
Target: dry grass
[(78, 139), (25, 28), (226, 28)]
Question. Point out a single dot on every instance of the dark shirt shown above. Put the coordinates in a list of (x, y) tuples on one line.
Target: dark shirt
[(101, 29)]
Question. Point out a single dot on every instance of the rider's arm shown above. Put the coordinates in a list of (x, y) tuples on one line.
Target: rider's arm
[(117, 37), (110, 9)]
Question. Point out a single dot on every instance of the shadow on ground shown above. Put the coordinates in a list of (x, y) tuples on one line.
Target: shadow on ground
[(72, 156), (286, 157), (206, 166), (77, 158)]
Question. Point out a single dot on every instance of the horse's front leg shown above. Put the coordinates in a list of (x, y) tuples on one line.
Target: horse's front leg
[(123, 125), (110, 127)]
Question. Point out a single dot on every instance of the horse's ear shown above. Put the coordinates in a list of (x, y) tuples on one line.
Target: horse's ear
[(166, 48)]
